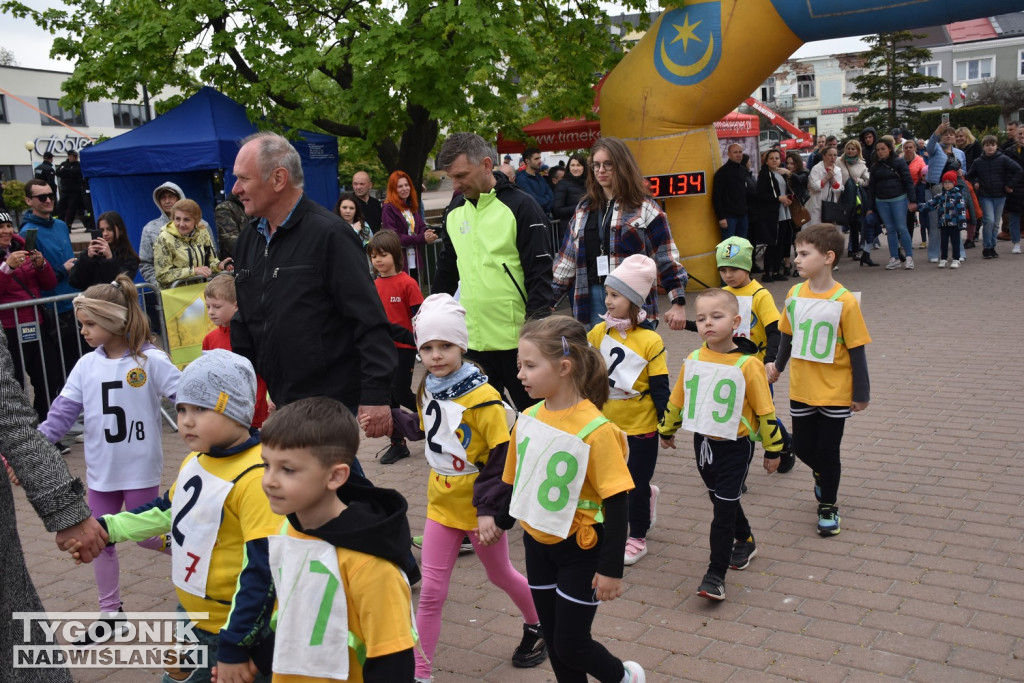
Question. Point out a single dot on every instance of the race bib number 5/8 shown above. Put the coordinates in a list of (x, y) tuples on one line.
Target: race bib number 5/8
[(550, 470)]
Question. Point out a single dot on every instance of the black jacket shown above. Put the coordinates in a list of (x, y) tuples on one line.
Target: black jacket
[(70, 174), (371, 210), (374, 522), (868, 151), (1015, 199), (46, 172), (889, 180), (994, 174), (533, 244), (765, 209), (729, 192), (973, 151), (94, 270), (309, 317), (568, 193)]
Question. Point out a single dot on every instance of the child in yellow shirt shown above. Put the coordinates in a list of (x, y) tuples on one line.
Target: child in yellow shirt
[(722, 396), (638, 386), (824, 331), (759, 316), (344, 606)]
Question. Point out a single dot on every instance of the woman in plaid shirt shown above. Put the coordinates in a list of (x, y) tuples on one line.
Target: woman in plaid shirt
[(617, 218)]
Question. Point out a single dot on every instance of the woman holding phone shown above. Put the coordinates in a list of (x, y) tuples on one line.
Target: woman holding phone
[(108, 254)]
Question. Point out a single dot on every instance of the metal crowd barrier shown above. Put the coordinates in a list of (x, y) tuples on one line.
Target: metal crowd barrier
[(58, 359)]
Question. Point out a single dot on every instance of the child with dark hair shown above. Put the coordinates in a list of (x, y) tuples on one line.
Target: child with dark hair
[(355, 535), (401, 297)]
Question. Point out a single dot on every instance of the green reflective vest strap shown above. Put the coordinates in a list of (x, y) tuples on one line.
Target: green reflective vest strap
[(754, 436), (587, 430), (792, 305)]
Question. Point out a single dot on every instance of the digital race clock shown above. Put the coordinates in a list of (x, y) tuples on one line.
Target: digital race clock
[(677, 184)]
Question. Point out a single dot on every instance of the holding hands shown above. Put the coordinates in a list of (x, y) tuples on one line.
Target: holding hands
[(83, 541)]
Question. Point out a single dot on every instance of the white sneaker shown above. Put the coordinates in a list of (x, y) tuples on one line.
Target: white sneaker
[(893, 264), (909, 265), (954, 264), (933, 260), (1016, 248), (942, 263), (634, 673)]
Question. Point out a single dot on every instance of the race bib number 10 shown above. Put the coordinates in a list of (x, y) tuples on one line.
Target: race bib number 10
[(815, 329)]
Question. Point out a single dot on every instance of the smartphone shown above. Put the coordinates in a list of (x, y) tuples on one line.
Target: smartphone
[(96, 234), (945, 117), (30, 239)]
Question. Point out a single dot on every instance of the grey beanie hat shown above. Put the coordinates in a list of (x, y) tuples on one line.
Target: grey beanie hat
[(220, 381)]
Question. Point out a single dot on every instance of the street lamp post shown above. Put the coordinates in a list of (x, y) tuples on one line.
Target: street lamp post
[(30, 146)]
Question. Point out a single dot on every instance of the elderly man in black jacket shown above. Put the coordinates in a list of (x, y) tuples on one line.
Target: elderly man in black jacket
[(309, 317)]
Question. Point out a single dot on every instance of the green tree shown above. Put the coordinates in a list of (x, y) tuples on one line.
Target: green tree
[(1007, 95), (391, 73), (890, 82), (7, 57)]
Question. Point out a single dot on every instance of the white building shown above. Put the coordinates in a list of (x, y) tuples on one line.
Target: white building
[(32, 122)]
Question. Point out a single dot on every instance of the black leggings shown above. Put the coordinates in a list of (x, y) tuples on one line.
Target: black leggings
[(723, 465), (643, 456), (401, 381), (816, 440), (560, 577)]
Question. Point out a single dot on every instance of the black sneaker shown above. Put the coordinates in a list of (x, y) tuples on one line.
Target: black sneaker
[(828, 520), (532, 650), (466, 547), (969, 244), (62, 447), (986, 252), (787, 461), (712, 587), (102, 630), (395, 452), (993, 253), (742, 553)]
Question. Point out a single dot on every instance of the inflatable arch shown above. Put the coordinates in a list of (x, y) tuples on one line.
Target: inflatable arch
[(701, 58)]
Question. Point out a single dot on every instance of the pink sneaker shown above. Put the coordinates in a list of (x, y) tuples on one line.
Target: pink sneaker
[(655, 491), (636, 548)]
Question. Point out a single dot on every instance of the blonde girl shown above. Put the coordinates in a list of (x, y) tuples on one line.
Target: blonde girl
[(119, 386), (463, 419), (568, 470)]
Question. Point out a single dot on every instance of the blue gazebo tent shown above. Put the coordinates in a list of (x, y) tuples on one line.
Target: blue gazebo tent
[(187, 145)]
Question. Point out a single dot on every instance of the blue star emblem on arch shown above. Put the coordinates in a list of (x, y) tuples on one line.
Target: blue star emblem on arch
[(689, 43)]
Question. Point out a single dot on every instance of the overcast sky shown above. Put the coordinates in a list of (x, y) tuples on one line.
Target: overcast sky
[(31, 44)]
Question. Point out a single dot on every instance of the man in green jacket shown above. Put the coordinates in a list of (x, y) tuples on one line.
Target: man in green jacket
[(497, 255)]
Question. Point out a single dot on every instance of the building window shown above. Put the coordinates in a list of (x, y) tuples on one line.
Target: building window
[(850, 118), (52, 107), (805, 85), (128, 115), (851, 87), (1020, 63), (933, 69), (3, 110), (979, 69), (768, 90)]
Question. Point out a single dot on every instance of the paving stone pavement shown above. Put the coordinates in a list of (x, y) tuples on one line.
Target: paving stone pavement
[(925, 583)]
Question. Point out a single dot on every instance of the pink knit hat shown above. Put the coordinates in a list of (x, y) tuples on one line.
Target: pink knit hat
[(634, 278), (441, 318)]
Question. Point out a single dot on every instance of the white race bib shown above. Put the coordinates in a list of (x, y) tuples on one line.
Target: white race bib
[(815, 325), (624, 367), (602, 265), (312, 627), (410, 257), (446, 437), (196, 511), (746, 322), (550, 471), (714, 398)]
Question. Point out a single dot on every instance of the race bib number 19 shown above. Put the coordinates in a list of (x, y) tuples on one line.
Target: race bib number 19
[(714, 398)]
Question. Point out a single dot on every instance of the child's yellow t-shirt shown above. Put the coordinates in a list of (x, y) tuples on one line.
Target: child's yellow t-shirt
[(607, 474), (635, 415), (757, 398), (827, 384), (450, 499), (763, 312), (246, 517), (379, 614)]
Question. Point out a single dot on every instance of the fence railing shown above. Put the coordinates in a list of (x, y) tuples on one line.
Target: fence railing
[(45, 347)]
